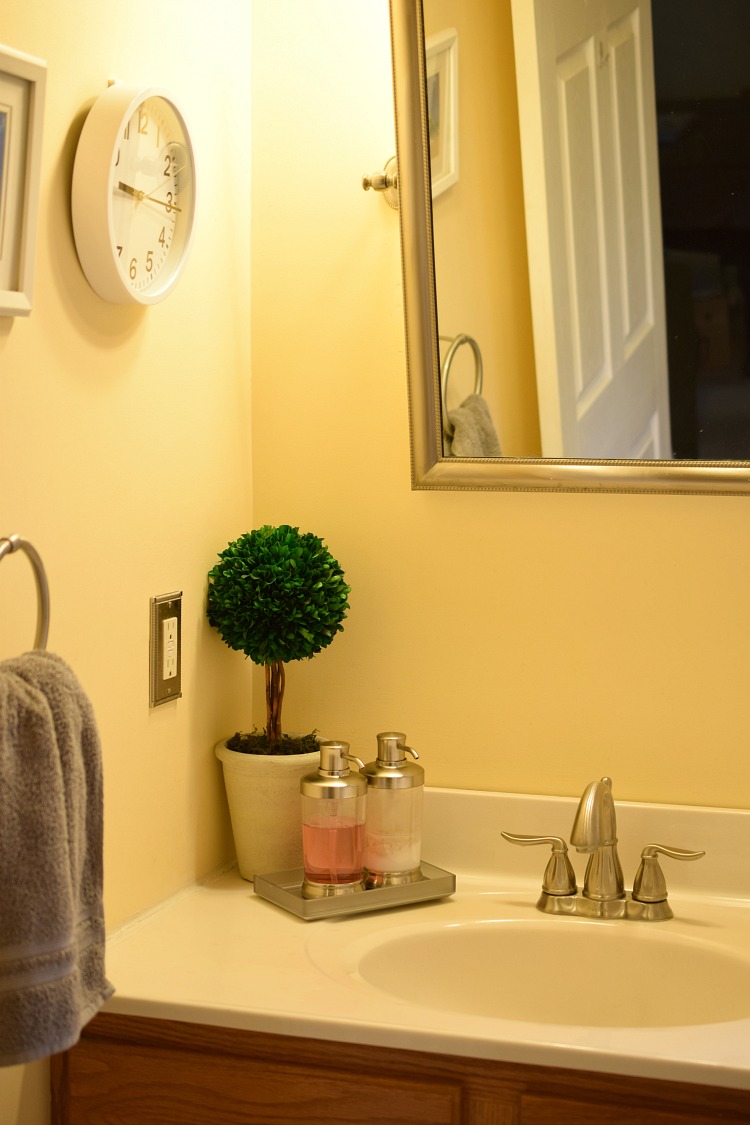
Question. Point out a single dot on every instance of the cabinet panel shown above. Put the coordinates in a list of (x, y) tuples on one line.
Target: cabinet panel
[(547, 1110), (128, 1085), (503, 1109), (133, 1070)]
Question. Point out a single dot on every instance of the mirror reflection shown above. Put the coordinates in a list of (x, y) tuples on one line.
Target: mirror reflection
[(627, 206)]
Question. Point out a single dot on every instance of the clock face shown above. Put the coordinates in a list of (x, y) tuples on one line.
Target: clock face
[(151, 199)]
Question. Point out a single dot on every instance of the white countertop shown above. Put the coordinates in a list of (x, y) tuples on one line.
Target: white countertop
[(218, 954)]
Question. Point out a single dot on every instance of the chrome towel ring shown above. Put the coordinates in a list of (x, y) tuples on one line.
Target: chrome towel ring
[(456, 343), (12, 543)]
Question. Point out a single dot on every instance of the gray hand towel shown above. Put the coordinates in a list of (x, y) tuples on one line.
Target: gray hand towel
[(473, 433), (51, 913)]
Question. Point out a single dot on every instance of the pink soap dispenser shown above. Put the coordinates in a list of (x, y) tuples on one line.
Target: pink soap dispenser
[(333, 824)]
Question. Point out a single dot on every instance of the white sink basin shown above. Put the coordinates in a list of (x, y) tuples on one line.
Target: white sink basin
[(582, 973), (495, 956)]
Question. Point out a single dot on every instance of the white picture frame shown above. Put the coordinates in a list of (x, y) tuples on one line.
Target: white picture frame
[(441, 57), (22, 91)]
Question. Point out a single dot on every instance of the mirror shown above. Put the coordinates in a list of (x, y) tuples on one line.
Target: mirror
[(432, 468)]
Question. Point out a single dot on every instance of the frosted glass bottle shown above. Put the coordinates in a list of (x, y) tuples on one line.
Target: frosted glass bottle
[(333, 824), (393, 825)]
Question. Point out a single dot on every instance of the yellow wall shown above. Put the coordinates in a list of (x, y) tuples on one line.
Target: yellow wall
[(89, 395), (125, 434), (524, 642)]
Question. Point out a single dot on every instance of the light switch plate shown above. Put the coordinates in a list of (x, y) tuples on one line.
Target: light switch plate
[(165, 649)]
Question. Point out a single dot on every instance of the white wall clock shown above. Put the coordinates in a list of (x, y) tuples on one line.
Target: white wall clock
[(133, 194)]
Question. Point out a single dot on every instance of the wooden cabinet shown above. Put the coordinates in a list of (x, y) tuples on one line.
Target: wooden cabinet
[(130, 1070)]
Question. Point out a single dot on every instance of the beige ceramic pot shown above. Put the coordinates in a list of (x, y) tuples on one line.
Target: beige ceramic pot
[(264, 807)]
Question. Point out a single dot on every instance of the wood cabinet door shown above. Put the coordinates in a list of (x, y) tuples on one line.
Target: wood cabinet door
[(133, 1070), (548, 1110), (110, 1084)]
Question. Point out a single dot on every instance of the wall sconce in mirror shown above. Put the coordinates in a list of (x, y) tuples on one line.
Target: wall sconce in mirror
[(581, 359)]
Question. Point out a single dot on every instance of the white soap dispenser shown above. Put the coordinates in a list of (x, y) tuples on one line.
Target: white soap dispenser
[(393, 826), (333, 824)]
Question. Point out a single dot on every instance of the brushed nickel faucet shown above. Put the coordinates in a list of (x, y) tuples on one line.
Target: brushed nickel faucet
[(595, 832), (603, 896)]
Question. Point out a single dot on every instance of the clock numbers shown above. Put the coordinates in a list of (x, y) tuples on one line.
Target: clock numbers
[(152, 195), (133, 268)]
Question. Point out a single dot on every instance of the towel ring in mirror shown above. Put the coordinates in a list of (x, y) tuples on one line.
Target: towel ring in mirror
[(456, 343)]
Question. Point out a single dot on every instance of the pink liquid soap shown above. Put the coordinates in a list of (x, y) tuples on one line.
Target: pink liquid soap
[(333, 851)]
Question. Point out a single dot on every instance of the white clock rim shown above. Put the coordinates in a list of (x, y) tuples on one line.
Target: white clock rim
[(92, 198)]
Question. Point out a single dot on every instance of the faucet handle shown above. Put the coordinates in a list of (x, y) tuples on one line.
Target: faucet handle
[(649, 884), (559, 876)]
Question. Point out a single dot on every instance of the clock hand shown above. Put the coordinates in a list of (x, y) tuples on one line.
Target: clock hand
[(141, 195), (161, 202)]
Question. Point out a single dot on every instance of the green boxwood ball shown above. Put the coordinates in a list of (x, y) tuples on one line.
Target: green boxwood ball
[(277, 594)]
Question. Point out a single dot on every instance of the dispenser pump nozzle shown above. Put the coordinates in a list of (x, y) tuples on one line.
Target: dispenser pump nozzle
[(335, 758), (392, 749)]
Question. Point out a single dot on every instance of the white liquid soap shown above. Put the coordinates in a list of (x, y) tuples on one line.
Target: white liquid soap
[(393, 820)]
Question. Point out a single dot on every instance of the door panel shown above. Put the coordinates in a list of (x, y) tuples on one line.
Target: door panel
[(588, 131)]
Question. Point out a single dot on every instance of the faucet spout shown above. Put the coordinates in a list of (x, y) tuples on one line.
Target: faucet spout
[(595, 832), (595, 825)]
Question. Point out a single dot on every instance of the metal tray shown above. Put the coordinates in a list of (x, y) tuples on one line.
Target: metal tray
[(284, 888)]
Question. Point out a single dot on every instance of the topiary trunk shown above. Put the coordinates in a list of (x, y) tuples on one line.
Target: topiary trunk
[(275, 680)]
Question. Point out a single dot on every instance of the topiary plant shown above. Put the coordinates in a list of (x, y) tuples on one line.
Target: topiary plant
[(277, 594)]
